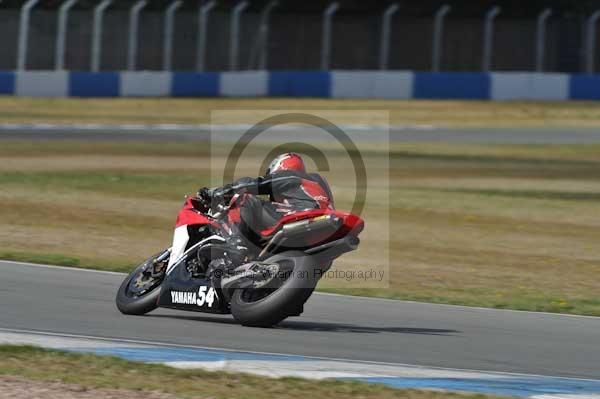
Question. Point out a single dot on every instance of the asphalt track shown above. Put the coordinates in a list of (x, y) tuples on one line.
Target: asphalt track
[(81, 302), (360, 133)]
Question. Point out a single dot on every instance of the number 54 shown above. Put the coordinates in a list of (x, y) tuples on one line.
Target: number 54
[(206, 295)]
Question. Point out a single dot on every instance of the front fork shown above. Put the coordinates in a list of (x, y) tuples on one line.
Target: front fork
[(157, 269)]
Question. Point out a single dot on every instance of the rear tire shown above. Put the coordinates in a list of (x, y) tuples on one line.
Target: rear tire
[(287, 300), (137, 305)]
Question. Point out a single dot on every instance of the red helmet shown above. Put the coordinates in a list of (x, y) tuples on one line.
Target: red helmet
[(288, 161)]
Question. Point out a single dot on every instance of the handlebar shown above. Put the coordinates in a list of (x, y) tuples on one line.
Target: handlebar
[(212, 206)]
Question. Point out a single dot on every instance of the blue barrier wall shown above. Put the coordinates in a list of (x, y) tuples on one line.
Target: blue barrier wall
[(299, 84), (475, 86), (584, 87), (7, 83), (89, 84), (191, 84), (331, 84)]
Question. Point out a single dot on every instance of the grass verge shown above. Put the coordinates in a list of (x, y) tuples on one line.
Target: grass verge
[(167, 110), (109, 372)]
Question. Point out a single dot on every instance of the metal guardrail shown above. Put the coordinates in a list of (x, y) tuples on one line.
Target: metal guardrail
[(134, 18), (540, 46), (234, 40), (438, 26), (168, 34), (97, 34), (203, 14), (488, 37), (61, 34), (326, 34), (590, 42), (24, 33), (259, 53), (264, 34), (386, 32)]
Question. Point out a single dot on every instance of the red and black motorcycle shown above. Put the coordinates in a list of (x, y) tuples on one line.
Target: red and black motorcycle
[(260, 281)]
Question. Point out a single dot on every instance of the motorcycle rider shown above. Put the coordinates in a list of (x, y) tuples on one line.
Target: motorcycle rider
[(289, 187)]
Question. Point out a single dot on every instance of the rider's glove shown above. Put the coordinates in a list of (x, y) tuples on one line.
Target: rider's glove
[(205, 193), (213, 198), (222, 193)]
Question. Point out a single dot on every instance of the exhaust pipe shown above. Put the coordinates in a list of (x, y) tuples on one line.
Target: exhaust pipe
[(334, 249), (328, 223)]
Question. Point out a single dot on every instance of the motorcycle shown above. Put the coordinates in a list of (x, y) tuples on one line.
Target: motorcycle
[(260, 281)]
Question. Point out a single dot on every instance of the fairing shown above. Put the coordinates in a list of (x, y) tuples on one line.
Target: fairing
[(350, 222), (190, 215)]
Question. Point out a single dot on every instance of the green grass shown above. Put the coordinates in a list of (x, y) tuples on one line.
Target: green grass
[(109, 372), (135, 185), (166, 110), (115, 265), (538, 194), (523, 302), (46, 259)]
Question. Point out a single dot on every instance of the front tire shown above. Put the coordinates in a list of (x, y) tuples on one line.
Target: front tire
[(277, 304), (130, 301)]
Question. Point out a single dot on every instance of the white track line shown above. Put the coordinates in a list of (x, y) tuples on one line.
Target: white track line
[(322, 358), (459, 306), (352, 297), (93, 127), (80, 269)]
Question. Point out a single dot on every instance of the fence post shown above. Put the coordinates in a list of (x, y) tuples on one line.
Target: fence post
[(201, 35), (590, 41), (97, 34), (264, 34), (168, 34), (488, 37), (326, 34), (540, 47), (234, 39), (61, 35), (386, 31), (134, 17), (438, 31), (258, 52), (24, 33)]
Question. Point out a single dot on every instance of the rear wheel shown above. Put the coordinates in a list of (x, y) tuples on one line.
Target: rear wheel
[(139, 292), (283, 297)]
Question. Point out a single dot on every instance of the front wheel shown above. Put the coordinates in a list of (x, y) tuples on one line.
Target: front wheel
[(265, 307), (139, 292)]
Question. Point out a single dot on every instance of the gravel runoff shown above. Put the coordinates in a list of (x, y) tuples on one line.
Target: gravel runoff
[(12, 387)]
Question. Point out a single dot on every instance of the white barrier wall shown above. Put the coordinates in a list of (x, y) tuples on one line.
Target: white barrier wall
[(145, 84), (529, 86), (244, 84), (41, 83), (361, 84)]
